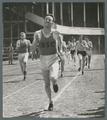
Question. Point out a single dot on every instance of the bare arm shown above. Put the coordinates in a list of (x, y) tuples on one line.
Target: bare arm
[(29, 46), (35, 42), (17, 45), (91, 45)]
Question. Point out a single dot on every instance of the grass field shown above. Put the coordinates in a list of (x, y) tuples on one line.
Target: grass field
[(79, 96)]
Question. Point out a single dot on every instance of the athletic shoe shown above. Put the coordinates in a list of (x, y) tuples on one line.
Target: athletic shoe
[(79, 69), (61, 74), (25, 75), (74, 64), (24, 78), (82, 72), (86, 63), (50, 108), (55, 88), (88, 66)]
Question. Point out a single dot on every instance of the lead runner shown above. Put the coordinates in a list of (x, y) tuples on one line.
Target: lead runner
[(49, 48)]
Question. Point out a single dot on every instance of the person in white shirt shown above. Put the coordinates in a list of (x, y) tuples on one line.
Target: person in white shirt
[(23, 48)]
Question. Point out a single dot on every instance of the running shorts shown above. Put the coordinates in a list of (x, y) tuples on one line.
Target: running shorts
[(83, 53), (72, 52)]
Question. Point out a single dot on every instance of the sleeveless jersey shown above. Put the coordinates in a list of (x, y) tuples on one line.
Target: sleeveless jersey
[(81, 46), (23, 46), (72, 45), (89, 43), (47, 45)]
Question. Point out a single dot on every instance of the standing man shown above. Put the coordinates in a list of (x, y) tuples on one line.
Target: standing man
[(11, 51), (49, 49), (23, 49), (81, 52), (89, 51)]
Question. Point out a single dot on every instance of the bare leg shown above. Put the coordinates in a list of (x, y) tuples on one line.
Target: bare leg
[(54, 70), (21, 65), (80, 62), (24, 69), (62, 67), (89, 61), (83, 64), (47, 84)]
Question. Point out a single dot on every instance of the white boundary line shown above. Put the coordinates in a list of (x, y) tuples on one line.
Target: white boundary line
[(19, 76), (13, 68), (65, 87), (19, 90)]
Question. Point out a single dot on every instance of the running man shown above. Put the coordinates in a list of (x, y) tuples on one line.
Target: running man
[(73, 50), (89, 51), (23, 48), (81, 47), (63, 51), (49, 50), (68, 54)]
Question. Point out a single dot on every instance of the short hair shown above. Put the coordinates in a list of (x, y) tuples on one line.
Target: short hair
[(22, 33), (49, 14), (86, 37)]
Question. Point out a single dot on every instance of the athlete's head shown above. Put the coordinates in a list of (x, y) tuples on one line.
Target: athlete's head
[(81, 37), (49, 19), (22, 35), (69, 42), (73, 40), (86, 38)]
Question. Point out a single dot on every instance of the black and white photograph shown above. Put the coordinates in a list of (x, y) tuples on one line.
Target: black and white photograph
[(53, 59)]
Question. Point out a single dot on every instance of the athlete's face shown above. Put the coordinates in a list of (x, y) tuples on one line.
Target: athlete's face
[(86, 39), (22, 36), (81, 38), (74, 40), (48, 21)]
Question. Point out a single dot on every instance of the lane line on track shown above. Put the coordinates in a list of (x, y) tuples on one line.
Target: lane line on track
[(63, 89), (11, 69), (18, 91)]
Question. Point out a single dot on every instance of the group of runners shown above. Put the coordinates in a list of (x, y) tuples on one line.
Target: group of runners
[(81, 48), (52, 50)]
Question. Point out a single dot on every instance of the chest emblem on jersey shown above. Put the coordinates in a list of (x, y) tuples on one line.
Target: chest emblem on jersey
[(47, 44)]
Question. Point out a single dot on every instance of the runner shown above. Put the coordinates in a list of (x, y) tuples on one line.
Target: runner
[(73, 50), (63, 54), (68, 54), (81, 46), (49, 50), (23, 49), (89, 51)]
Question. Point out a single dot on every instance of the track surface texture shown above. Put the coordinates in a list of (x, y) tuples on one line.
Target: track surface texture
[(79, 96)]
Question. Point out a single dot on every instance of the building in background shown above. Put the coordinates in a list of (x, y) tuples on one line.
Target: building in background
[(67, 14)]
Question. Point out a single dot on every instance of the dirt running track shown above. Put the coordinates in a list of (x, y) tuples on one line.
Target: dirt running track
[(79, 96)]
